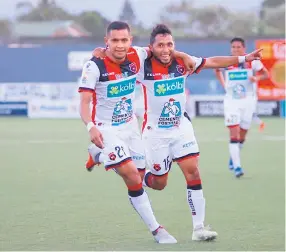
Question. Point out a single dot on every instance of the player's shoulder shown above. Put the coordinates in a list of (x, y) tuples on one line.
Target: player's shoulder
[(91, 66)]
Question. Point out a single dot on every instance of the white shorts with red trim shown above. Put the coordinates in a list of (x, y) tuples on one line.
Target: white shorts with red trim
[(122, 144), (163, 146), (239, 112)]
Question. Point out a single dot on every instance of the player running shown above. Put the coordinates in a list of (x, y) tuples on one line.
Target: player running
[(113, 128), (171, 138), (240, 102), (110, 84)]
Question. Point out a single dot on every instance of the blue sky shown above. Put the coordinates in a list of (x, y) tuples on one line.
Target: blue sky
[(147, 11)]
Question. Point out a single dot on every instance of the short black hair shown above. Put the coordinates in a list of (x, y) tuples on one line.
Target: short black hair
[(237, 39), (159, 29), (117, 25)]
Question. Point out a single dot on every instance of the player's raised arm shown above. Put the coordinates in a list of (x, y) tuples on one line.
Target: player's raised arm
[(225, 61)]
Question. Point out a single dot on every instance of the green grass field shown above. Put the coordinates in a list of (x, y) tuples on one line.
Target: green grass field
[(48, 201)]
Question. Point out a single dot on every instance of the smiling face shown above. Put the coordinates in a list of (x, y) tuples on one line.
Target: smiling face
[(163, 48), (237, 48), (118, 43)]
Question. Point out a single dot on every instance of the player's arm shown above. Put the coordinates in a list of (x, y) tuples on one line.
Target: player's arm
[(90, 75), (225, 61), (219, 76), (262, 72)]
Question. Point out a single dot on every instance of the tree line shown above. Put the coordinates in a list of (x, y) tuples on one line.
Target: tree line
[(185, 19)]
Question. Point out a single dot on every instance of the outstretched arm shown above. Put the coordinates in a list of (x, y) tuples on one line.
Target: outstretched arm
[(225, 61)]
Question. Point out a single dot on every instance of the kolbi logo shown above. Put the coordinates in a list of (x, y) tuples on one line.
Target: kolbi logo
[(237, 75), (122, 88), (169, 87)]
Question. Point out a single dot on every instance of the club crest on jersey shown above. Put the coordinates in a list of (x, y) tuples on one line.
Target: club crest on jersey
[(133, 67), (157, 167), (112, 156), (180, 69)]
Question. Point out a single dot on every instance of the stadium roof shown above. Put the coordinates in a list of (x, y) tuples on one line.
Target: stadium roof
[(49, 29)]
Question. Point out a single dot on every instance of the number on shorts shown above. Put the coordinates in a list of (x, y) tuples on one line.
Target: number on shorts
[(232, 119), (120, 151), (167, 163)]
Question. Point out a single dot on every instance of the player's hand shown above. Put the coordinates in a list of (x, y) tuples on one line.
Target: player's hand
[(96, 137), (253, 79), (255, 55), (190, 64), (99, 52)]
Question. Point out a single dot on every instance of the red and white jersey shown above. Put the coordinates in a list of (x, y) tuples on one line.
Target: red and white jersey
[(113, 87), (164, 91), (237, 83)]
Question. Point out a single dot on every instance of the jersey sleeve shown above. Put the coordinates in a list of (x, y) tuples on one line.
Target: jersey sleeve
[(142, 53), (257, 65), (199, 63), (89, 77)]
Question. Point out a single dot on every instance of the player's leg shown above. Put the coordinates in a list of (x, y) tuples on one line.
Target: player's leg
[(232, 118), (186, 152), (120, 159), (256, 119), (95, 157), (159, 161), (137, 150)]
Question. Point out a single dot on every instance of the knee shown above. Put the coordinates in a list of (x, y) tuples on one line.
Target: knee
[(193, 173), (159, 184), (132, 176), (235, 133)]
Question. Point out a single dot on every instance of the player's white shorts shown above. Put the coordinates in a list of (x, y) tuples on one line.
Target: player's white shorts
[(239, 112), (166, 145), (122, 144)]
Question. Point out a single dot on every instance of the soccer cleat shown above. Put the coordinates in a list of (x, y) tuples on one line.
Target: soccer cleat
[(204, 234), (230, 164), (93, 157), (89, 165), (163, 237), (261, 126), (238, 172)]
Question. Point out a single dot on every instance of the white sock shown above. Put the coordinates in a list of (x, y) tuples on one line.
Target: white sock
[(197, 205), (234, 154), (96, 153), (256, 119), (143, 207), (240, 145)]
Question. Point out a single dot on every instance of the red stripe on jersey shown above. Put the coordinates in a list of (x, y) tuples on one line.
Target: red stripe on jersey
[(133, 57), (94, 102), (111, 67), (157, 67), (145, 107), (83, 89)]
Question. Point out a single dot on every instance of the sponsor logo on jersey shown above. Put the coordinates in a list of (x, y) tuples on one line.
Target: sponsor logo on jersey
[(238, 76), (169, 87), (122, 88)]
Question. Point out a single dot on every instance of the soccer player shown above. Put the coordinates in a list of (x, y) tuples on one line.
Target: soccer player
[(240, 102), (112, 125), (171, 138)]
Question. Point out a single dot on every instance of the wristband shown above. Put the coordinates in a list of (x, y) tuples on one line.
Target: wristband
[(241, 59), (89, 126)]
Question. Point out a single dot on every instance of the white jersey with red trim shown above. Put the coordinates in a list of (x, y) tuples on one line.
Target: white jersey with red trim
[(164, 91), (113, 87), (237, 83)]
